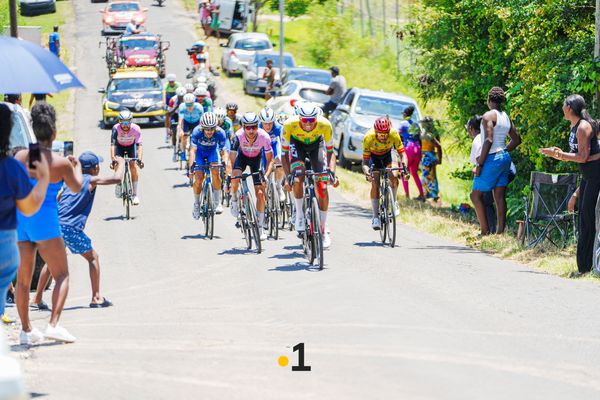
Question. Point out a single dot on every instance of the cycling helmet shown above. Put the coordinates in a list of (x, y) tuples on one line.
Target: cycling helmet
[(307, 110), (171, 78), (125, 115), (231, 106), (200, 91), (208, 120), (201, 79), (220, 113), (199, 43), (249, 118), (180, 91), (189, 98), (382, 124), (267, 115), (282, 117), (189, 87)]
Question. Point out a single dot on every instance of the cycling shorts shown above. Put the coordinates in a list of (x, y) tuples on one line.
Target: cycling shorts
[(207, 157), (188, 127), (315, 152), (242, 161), (126, 151), (381, 161)]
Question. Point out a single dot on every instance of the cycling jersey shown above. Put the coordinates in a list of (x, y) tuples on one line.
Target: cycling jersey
[(372, 146), (276, 131), (293, 130), (203, 143), (121, 138), (206, 104), (171, 89), (190, 116), (227, 127), (237, 122), (251, 150)]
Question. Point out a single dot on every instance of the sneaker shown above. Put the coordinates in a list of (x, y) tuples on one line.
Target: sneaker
[(396, 209), (219, 209), (33, 337), (196, 211), (135, 201), (10, 298), (326, 240), (59, 334), (118, 192), (376, 224), (40, 306), (300, 225), (235, 209), (6, 319), (262, 235)]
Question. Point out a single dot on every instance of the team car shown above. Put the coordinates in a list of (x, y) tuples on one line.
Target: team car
[(140, 50), (118, 13)]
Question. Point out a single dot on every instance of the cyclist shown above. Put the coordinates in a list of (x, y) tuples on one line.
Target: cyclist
[(189, 118), (246, 151), (377, 154), (207, 147), (202, 98), (189, 87), (269, 124), (173, 115), (200, 56), (308, 135), (232, 114), (126, 141), (225, 123), (170, 88)]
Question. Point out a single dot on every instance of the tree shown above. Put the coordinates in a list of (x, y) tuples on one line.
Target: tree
[(293, 8), (256, 5)]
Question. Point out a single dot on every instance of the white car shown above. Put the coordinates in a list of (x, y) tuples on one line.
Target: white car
[(240, 48), (295, 92)]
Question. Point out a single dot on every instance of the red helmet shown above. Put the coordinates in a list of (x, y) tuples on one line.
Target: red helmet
[(382, 124)]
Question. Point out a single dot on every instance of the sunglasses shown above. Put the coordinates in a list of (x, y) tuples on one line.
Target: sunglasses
[(307, 120), (125, 122), (189, 105), (250, 127)]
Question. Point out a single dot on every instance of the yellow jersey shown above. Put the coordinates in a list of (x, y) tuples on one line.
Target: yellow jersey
[(372, 146), (292, 129)]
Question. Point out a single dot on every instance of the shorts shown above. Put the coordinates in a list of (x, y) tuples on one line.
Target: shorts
[(76, 240), (206, 157), (42, 225), (381, 161), (494, 172), (242, 161), (9, 262), (188, 127), (126, 151), (276, 146), (315, 152), (169, 96)]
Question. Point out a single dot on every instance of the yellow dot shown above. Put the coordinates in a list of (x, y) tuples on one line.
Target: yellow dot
[(283, 361)]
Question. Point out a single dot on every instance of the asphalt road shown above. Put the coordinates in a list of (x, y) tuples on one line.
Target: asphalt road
[(195, 318)]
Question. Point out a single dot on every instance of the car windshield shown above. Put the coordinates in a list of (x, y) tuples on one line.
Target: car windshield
[(124, 7), (140, 44), (314, 96), (322, 77), (378, 106), (288, 61), (18, 134), (134, 84), (253, 44)]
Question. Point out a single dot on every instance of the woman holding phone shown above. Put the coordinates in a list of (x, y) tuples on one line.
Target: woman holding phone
[(41, 232)]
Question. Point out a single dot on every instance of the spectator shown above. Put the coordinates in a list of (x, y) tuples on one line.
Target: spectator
[(132, 28), (38, 97), (432, 156), (337, 89), (204, 10), (13, 98), (54, 42), (585, 151), (73, 212), (493, 167), (42, 231), (269, 76), (16, 193), (215, 24), (412, 146)]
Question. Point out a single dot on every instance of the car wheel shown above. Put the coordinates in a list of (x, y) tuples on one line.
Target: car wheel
[(245, 88), (342, 160)]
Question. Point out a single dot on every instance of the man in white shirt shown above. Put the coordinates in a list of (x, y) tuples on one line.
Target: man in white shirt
[(337, 89)]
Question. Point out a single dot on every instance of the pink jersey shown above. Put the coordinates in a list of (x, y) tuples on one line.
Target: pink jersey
[(262, 142), (122, 138)]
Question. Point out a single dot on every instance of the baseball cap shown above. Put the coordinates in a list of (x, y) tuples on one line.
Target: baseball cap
[(335, 69), (89, 160)]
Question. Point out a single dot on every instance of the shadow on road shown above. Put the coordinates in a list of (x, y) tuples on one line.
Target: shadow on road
[(181, 185), (368, 244), (19, 348), (118, 218), (288, 256), (296, 267), (350, 210), (199, 236), (237, 251), (171, 169), (457, 249), (75, 308), (296, 247), (35, 395), (166, 146)]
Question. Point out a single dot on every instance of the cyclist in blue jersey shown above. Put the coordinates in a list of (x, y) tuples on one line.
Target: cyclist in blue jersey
[(268, 122), (189, 118), (207, 147), (203, 99)]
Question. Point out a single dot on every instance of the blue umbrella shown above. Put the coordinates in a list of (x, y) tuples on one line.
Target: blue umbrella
[(26, 67)]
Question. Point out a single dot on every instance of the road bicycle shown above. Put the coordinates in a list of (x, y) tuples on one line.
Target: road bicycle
[(207, 203), (127, 185), (387, 202), (287, 212), (248, 217), (273, 208), (225, 188)]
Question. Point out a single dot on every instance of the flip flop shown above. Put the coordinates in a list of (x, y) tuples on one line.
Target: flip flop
[(40, 306), (104, 304)]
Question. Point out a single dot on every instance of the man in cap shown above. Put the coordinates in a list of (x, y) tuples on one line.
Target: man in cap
[(54, 42), (337, 89), (73, 212)]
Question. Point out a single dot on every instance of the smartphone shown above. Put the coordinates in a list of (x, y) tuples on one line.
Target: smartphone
[(34, 154), (68, 148)]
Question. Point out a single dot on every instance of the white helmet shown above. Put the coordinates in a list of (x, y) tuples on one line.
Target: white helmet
[(180, 91), (307, 110), (208, 120), (189, 98), (171, 77), (189, 87), (249, 118), (125, 115), (267, 115), (200, 92), (201, 79), (220, 113)]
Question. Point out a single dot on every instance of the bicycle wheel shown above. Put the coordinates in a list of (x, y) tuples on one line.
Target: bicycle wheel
[(253, 223), (125, 190), (391, 218), (317, 233), (383, 217), (210, 213)]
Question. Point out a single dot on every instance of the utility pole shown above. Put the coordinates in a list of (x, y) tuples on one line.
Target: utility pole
[(384, 24), (371, 31), (281, 37), (13, 18), (398, 30), (597, 49), (362, 19)]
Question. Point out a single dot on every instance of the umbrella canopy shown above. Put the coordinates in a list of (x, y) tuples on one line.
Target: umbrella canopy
[(26, 67)]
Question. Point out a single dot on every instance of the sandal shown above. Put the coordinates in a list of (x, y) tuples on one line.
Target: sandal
[(104, 304)]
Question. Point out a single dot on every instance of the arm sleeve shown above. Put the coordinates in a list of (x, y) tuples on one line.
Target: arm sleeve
[(194, 137), (222, 142), (19, 179), (235, 143), (138, 135), (366, 148), (113, 136), (328, 137), (398, 144), (285, 140)]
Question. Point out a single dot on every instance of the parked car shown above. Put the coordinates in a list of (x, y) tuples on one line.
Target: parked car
[(315, 75), (252, 73), (136, 89), (298, 91), (118, 13), (355, 115), (234, 15), (37, 7), (240, 48)]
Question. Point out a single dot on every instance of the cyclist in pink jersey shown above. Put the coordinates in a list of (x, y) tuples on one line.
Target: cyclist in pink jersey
[(247, 149), (126, 142)]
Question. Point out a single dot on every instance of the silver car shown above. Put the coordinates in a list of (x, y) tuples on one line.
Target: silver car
[(355, 115), (253, 72), (240, 48), (294, 92)]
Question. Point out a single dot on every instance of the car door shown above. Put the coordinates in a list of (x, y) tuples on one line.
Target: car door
[(227, 51)]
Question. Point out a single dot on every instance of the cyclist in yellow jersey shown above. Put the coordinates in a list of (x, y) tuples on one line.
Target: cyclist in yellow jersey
[(377, 154), (309, 135)]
